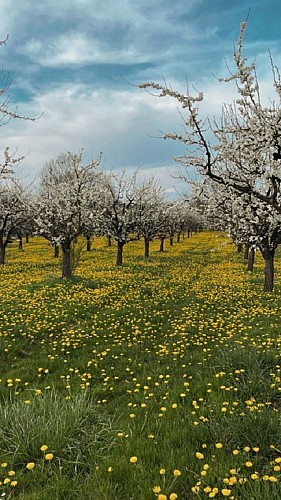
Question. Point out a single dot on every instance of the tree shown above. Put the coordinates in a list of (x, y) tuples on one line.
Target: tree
[(64, 202), (9, 160), (13, 207), (240, 150), (119, 209), (151, 218)]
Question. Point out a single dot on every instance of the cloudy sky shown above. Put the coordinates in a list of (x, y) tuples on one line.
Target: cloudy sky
[(79, 61)]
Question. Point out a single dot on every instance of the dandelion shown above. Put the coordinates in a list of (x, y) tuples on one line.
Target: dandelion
[(199, 455), (14, 483), (177, 473), (133, 460), (219, 445), (49, 456), (156, 489), (162, 471), (225, 492), (173, 496), (249, 464), (30, 465), (255, 475), (44, 447)]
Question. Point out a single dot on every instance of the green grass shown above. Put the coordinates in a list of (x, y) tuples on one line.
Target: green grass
[(161, 359)]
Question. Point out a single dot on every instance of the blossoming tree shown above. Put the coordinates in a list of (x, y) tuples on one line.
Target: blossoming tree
[(239, 150), (64, 203)]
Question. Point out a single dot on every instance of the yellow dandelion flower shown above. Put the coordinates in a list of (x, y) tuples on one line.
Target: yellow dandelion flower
[(162, 471), (133, 460), (49, 456), (219, 445), (44, 447), (156, 489), (177, 472), (30, 465), (199, 455), (225, 492)]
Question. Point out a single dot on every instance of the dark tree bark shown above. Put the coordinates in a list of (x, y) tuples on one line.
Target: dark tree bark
[(171, 241), (66, 259), (56, 250), (239, 247), (2, 251), (109, 241), (188, 233), (246, 252), (89, 243), (251, 259), (268, 256), (178, 237), (146, 247), (161, 249), (20, 243), (27, 238), (119, 260)]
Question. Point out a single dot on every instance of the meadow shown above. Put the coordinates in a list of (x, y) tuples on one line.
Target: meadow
[(159, 379)]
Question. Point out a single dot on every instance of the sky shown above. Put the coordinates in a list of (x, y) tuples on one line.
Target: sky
[(79, 62)]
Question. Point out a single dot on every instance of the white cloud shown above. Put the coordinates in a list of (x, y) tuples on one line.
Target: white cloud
[(75, 48), (118, 123)]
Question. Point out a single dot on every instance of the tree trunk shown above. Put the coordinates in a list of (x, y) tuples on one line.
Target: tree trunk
[(146, 247), (161, 249), (66, 259), (239, 247), (27, 238), (268, 256), (56, 250), (188, 233), (171, 241), (251, 259), (109, 241), (119, 260), (178, 237), (89, 243), (246, 252), (2, 251), (20, 243)]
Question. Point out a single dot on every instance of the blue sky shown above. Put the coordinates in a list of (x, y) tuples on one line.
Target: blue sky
[(78, 61)]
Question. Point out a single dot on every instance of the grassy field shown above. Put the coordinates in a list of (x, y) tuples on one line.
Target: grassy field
[(156, 380)]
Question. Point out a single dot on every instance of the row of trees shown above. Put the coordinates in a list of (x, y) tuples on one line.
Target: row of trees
[(74, 199), (238, 156)]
